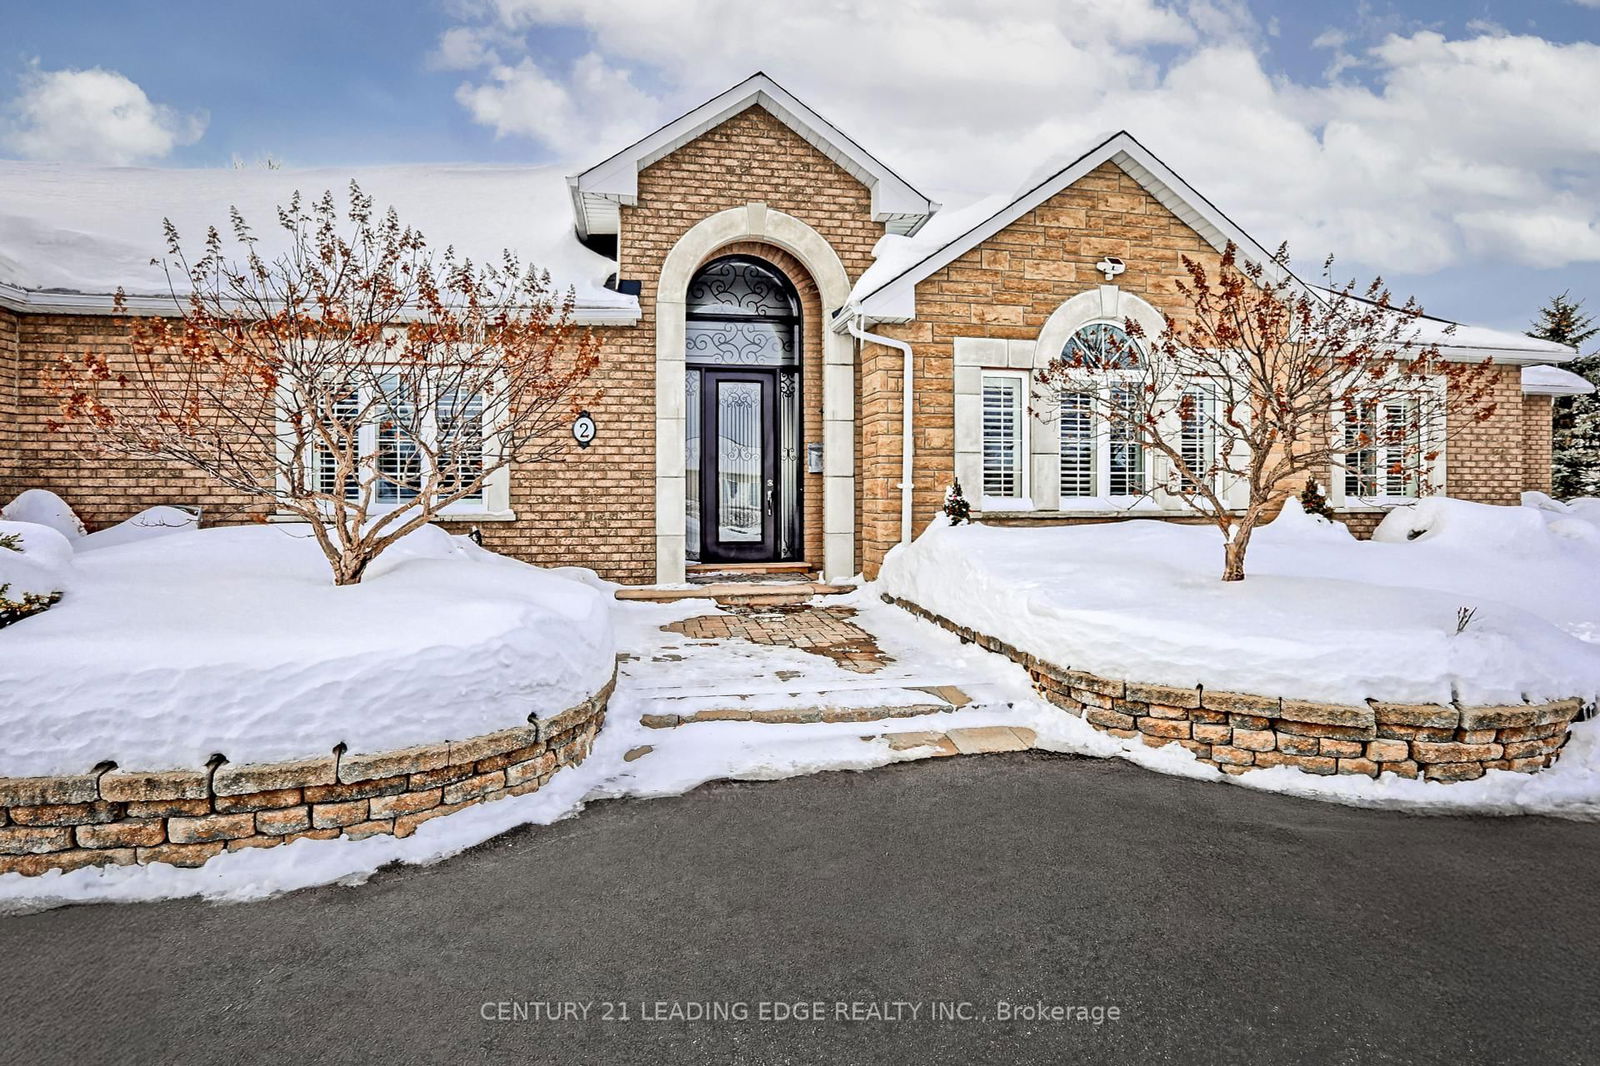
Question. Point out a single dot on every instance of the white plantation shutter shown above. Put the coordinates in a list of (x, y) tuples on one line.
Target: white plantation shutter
[(1197, 435), (1003, 413), (345, 411), (460, 434), (386, 443), (399, 460), (1390, 469), (1399, 470), (1077, 444), (1126, 476)]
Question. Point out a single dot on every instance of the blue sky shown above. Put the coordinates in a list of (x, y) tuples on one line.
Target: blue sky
[(1450, 146)]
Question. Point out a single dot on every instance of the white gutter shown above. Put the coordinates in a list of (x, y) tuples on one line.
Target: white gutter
[(906, 439), (624, 312)]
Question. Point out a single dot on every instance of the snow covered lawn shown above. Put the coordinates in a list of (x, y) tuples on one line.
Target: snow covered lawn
[(172, 644), (1321, 616)]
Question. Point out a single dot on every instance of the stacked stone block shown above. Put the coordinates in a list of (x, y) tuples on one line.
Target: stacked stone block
[(1239, 731), (118, 817)]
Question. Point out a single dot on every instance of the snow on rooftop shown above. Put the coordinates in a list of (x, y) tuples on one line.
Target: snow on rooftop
[(93, 229)]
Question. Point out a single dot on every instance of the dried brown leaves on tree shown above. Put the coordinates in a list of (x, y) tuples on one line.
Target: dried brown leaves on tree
[(1264, 381), (355, 378)]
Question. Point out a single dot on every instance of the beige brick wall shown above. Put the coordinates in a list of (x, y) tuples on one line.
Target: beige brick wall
[(1485, 461), (1010, 284), (8, 403), (1537, 444), (102, 490)]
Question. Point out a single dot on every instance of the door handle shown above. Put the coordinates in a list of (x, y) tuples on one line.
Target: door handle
[(769, 497)]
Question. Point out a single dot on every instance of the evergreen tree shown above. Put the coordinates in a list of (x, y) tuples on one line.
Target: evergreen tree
[(1576, 458), (956, 505)]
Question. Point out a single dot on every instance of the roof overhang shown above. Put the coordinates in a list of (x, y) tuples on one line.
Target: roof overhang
[(895, 299), (599, 192), (624, 312), (1544, 380)]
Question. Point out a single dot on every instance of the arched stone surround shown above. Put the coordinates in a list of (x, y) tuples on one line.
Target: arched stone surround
[(756, 223)]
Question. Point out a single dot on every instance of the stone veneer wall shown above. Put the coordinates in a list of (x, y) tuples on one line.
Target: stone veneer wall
[(186, 817), (1238, 731)]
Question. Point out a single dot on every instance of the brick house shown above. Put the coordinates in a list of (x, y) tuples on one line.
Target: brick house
[(763, 285)]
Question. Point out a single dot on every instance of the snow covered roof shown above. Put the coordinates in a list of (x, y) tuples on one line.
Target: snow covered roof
[(886, 292), (71, 235), (597, 192), (1554, 381)]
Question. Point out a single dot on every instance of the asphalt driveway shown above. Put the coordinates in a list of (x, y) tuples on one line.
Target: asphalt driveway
[(891, 916)]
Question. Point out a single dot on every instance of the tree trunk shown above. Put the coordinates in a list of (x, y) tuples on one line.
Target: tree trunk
[(348, 568), (1233, 554)]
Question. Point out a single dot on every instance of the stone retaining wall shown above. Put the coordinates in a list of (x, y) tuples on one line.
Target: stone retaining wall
[(186, 817), (1238, 731)]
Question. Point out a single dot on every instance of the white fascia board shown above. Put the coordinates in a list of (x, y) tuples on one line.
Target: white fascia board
[(894, 301), (625, 312), (616, 178)]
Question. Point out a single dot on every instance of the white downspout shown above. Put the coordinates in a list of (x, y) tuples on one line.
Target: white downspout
[(906, 437)]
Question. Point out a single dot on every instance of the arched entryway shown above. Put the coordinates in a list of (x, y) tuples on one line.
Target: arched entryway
[(757, 225), (743, 388)]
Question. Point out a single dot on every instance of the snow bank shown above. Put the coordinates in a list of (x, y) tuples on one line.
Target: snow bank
[(168, 649), (151, 522), (1322, 616), (43, 508)]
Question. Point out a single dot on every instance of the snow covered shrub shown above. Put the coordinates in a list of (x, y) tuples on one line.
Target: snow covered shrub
[(956, 507), (1313, 501), (25, 586)]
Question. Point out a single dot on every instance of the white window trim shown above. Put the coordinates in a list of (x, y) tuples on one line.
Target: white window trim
[(1433, 472)]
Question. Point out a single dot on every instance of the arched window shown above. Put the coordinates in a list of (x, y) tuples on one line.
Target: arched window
[(1102, 346), (741, 312), (1100, 457)]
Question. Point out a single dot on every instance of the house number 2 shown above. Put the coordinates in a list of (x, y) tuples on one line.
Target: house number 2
[(583, 429)]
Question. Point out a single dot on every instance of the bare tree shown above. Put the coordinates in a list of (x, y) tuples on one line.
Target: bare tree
[(1266, 381), (356, 379)]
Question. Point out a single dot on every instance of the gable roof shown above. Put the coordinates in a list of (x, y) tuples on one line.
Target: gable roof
[(598, 191), (889, 295)]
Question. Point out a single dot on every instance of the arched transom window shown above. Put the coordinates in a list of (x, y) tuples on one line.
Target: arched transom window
[(1102, 346)]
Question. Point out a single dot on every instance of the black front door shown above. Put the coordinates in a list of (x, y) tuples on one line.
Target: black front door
[(739, 466)]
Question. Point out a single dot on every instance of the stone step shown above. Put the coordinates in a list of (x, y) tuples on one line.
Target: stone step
[(981, 740), (817, 708), (737, 594)]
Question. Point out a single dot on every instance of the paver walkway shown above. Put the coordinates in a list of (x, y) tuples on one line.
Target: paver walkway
[(820, 630), (847, 659)]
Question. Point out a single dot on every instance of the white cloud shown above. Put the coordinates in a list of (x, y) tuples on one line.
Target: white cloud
[(1446, 152), (593, 104), (96, 116)]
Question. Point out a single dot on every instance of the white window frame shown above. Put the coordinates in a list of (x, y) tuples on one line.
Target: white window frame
[(1021, 452), (1101, 383), (494, 504), (1429, 474)]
